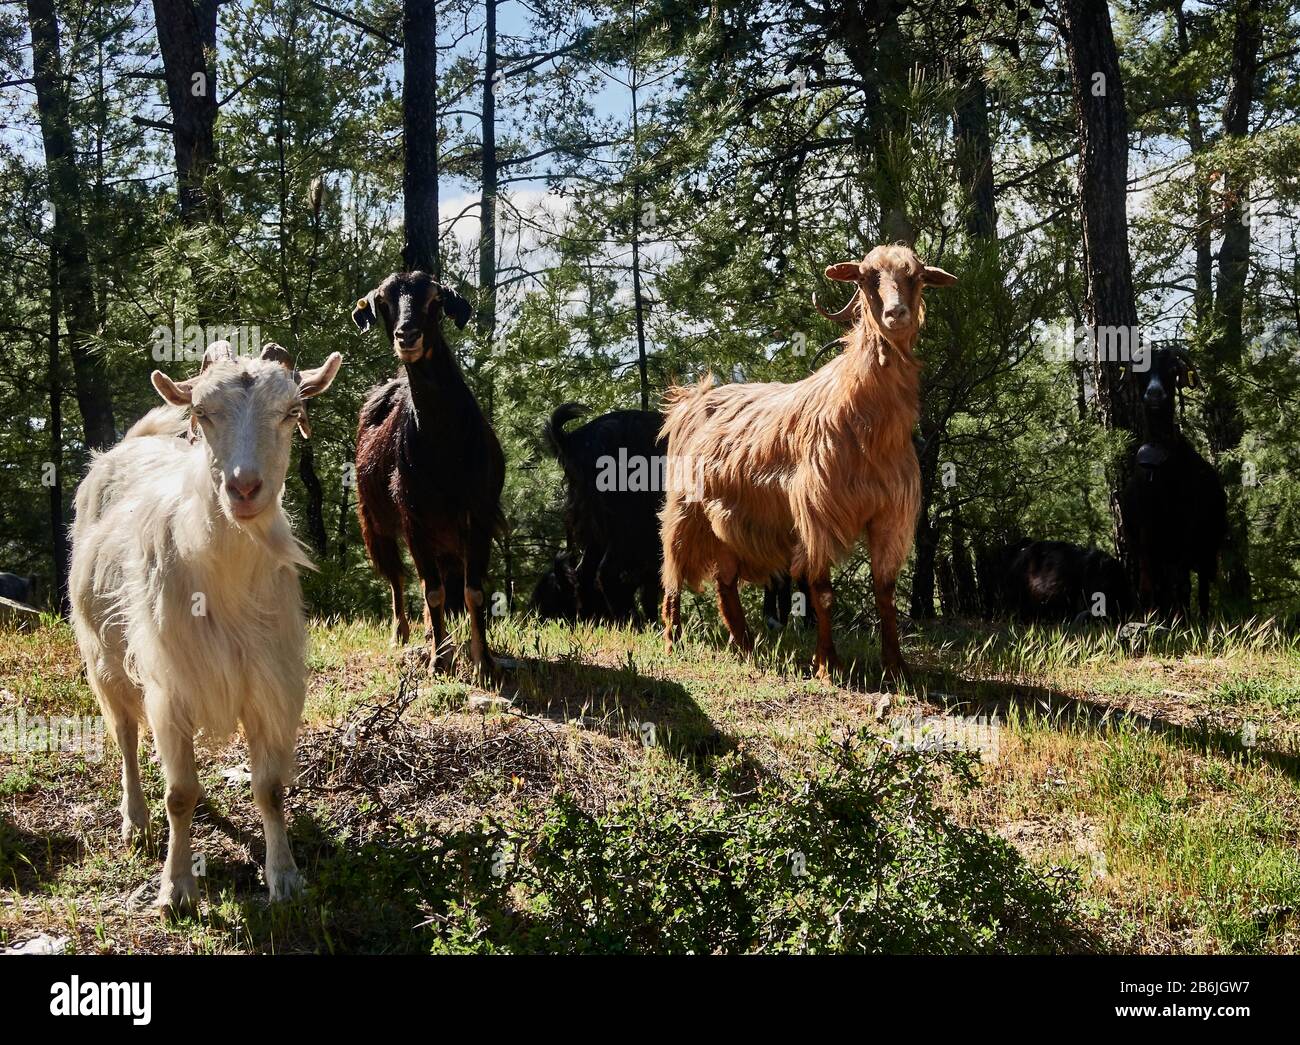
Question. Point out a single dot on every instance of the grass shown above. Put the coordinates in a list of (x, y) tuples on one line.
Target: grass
[(1137, 792)]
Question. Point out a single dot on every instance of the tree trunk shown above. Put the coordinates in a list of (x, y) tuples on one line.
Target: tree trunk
[(1203, 298), (487, 243), (927, 534), (58, 529), (67, 190), (315, 498), (1225, 424), (638, 301), (975, 158), (187, 38), (1111, 309), (420, 136)]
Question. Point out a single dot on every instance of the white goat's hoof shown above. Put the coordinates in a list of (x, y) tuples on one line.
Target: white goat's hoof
[(135, 824), (285, 884), (178, 896), (135, 832)]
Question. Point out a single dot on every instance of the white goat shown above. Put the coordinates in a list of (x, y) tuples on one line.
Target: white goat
[(185, 596)]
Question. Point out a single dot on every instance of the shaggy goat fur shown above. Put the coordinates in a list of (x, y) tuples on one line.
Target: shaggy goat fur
[(785, 478), (185, 597)]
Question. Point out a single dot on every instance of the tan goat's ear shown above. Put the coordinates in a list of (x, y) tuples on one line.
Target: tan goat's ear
[(936, 277), (314, 382), (178, 393), (844, 272)]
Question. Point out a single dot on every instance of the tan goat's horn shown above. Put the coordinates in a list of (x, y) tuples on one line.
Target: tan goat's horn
[(845, 314)]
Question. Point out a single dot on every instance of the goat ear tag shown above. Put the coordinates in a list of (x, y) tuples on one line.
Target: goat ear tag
[(1192, 379), (364, 314)]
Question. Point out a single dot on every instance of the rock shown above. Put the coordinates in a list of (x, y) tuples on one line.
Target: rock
[(42, 944), (18, 614)]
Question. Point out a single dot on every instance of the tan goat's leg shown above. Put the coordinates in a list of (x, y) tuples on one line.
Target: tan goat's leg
[(271, 769), (733, 615), (672, 617), (888, 545), (825, 660), (179, 892)]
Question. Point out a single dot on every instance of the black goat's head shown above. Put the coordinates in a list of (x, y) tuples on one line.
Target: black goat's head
[(411, 304), (1170, 368)]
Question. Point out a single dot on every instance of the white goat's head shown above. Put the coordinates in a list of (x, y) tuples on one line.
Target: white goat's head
[(246, 410), (889, 280)]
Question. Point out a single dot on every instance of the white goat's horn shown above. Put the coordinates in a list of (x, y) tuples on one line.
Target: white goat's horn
[(845, 314), (217, 352)]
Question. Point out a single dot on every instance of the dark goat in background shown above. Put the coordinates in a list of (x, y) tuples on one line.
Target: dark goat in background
[(18, 589), (556, 595), (1173, 506), (1055, 581), (613, 529), (429, 466)]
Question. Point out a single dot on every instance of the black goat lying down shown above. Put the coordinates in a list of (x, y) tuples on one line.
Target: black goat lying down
[(611, 508), (1056, 581), (556, 594), (1173, 506)]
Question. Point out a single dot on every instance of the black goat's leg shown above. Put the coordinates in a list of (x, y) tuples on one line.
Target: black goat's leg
[(435, 598), (478, 549)]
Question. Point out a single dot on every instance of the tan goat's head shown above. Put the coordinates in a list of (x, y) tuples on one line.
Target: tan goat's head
[(410, 303), (246, 410), (890, 281)]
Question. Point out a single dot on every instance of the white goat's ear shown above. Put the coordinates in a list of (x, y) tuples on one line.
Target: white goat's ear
[(178, 393), (936, 277), (314, 382), (844, 272), (364, 314)]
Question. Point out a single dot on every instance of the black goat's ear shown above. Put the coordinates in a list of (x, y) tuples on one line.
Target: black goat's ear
[(457, 307), (364, 314)]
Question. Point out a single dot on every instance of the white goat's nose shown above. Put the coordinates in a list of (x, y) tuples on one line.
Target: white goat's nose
[(896, 311), (244, 485)]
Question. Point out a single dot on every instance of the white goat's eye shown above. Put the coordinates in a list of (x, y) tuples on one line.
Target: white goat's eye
[(294, 413)]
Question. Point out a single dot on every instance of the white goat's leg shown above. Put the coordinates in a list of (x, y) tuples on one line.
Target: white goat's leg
[(134, 808), (179, 892), (271, 768)]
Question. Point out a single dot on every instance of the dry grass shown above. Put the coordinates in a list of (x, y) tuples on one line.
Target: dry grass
[(1166, 776)]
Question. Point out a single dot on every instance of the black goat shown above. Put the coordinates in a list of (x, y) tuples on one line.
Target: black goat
[(429, 466), (18, 589), (556, 595), (1055, 581), (1173, 507), (613, 467), (779, 608)]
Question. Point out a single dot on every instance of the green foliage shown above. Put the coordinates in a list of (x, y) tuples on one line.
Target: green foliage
[(857, 857)]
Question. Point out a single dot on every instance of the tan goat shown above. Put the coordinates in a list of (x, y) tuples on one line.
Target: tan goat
[(788, 477)]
